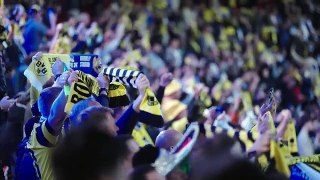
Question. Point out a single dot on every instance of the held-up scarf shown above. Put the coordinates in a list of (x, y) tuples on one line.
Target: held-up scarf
[(86, 86), (40, 71), (150, 107)]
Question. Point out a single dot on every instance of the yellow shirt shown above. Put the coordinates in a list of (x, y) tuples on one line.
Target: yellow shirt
[(41, 144)]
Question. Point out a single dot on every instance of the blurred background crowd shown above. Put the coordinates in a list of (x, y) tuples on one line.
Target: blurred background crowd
[(224, 56)]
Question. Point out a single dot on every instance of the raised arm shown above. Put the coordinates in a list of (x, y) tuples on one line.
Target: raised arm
[(103, 92), (57, 114), (164, 81), (129, 118)]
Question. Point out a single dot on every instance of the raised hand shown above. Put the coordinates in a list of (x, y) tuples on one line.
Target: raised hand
[(262, 144), (37, 56), (63, 79), (57, 67), (265, 108), (165, 79), (73, 77), (142, 83), (263, 124), (6, 103), (103, 81)]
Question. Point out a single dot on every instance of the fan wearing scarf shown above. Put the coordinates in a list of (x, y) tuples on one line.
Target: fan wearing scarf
[(150, 112), (44, 138)]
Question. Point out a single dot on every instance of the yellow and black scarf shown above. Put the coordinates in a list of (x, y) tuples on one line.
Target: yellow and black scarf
[(150, 106), (86, 86)]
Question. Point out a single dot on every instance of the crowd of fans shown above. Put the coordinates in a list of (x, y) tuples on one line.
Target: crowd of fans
[(225, 64)]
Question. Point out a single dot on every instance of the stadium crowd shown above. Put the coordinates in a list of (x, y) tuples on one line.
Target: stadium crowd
[(212, 89)]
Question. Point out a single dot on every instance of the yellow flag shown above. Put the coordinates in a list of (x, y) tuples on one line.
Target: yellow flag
[(86, 86), (150, 106), (280, 163), (40, 71), (141, 136), (291, 138)]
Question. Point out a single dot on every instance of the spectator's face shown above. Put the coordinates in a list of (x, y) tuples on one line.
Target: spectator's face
[(109, 125), (175, 44), (157, 48), (38, 16)]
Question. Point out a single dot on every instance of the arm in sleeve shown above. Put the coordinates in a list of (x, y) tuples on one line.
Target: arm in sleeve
[(127, 121), (103, 100), (57, 114), (160, 93)]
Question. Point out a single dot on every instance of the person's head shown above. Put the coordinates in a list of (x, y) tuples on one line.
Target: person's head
[(85, 18), (35, 12), (133, 148), (146, 172), (80, 106), (100, 117), (88, 153), (225, 167), (167, 139), (146, 155), (46, 99), (175, 42)]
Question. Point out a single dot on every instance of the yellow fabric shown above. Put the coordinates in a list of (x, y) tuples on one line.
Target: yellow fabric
[(196, 47), (171, 108), (230, 31), (316, 88), (295, 73), (270, 31), (280, 162), (291, 137), (180, 124), (150, 104), (40, 71), (42, 154), (173, 87), (272, 127), (86, 86), (34, 95), (261, 47), (222, 85), (233, 3), (62, 46), (141, 136), (247, 101), (116, 89), (205, 99), (208, 39), (304, 159), (208, 15)]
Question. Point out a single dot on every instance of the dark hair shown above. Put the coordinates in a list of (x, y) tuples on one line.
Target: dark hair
[(78, 107), (87, 153), (146, 155), (46, 99), (225, 167), (93, 115), (140, 172)]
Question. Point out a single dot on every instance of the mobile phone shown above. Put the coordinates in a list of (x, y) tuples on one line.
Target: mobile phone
[(270, 96)]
